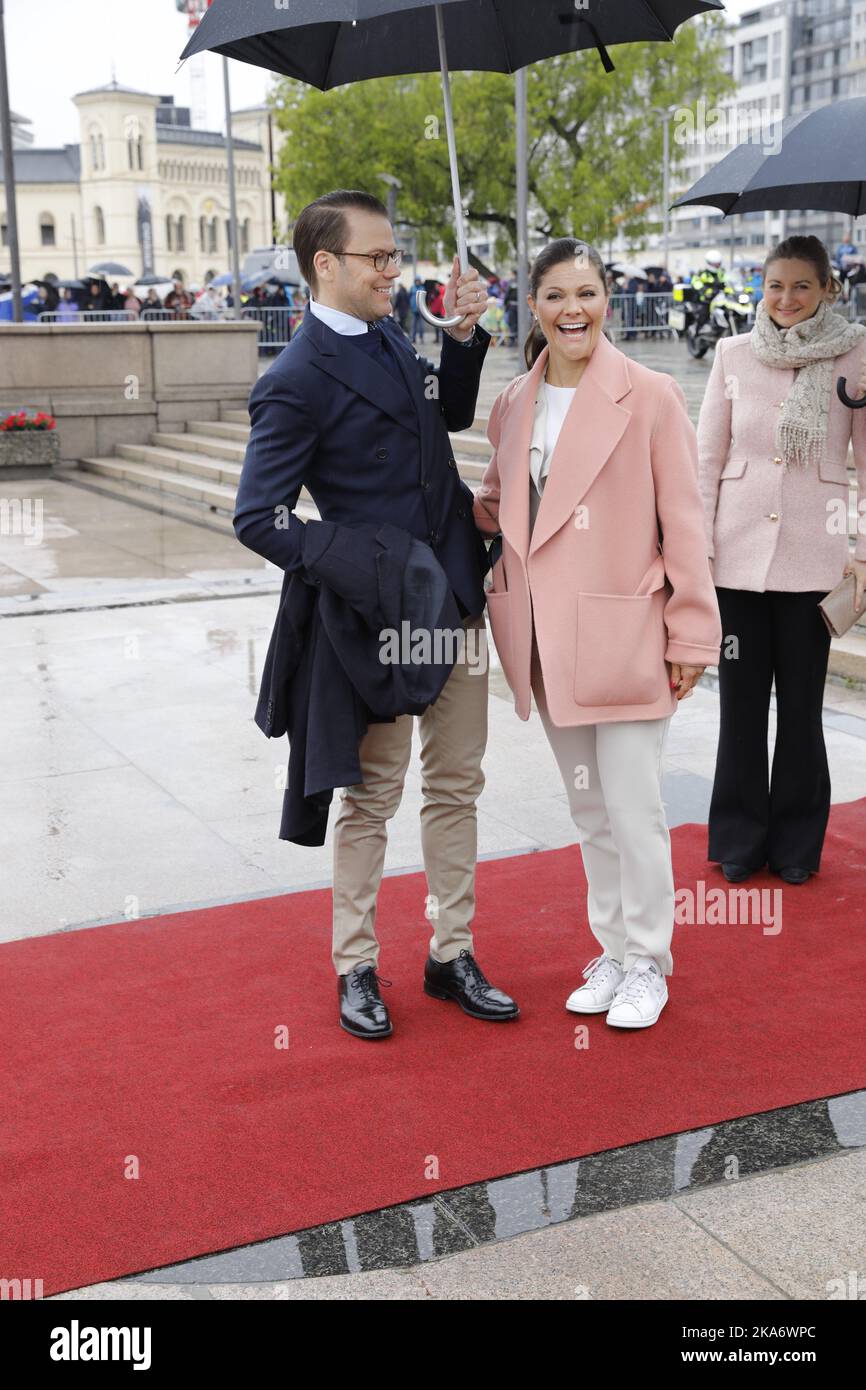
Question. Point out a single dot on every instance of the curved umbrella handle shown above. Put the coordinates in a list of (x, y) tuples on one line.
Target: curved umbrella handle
[(842, 393), (421, 301)]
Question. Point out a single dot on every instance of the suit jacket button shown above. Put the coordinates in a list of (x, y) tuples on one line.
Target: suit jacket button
[(425, 485), (433, 536), (452, 463), (777, 460), (381, 453), (774, 516), (461, 512)]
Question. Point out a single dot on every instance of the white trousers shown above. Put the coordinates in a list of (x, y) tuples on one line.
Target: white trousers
[(612, 774)]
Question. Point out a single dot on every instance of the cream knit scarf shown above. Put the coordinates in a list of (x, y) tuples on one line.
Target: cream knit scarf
[(809, 348)]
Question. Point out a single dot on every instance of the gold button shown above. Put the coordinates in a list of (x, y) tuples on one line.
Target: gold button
[(777, 460), (774, 516)]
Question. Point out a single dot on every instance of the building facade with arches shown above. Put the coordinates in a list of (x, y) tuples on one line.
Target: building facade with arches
[(141, 185)]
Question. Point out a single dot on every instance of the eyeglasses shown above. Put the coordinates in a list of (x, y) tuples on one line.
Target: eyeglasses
[(380, 259)]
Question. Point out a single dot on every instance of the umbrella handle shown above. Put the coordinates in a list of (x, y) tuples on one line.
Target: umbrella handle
[(842, 393), (421, 301)]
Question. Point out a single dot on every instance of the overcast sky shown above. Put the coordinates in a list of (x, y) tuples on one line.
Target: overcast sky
[(56, 48)]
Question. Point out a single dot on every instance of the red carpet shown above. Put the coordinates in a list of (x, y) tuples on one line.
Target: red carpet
[(149, 1046)]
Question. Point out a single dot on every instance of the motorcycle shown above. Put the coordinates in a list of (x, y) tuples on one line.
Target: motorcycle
[(730, 312)]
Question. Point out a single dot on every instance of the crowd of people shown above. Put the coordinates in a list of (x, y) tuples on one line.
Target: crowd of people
[(96, 295), (627, 287)]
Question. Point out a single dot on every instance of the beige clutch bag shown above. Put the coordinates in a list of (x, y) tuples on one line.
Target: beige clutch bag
[(837, 609)]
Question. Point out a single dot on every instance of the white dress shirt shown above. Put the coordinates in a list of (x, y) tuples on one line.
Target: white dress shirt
[(336, 318), (348, 323)]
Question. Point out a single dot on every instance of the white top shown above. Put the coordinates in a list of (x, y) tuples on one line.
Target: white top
[(337, 319), (557, 400)]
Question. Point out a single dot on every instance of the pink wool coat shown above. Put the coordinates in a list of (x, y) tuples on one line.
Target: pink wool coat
[(610, 610), (767, 522)]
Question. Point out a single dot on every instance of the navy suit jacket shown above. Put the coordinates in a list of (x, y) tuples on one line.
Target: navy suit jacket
[(327, 417)]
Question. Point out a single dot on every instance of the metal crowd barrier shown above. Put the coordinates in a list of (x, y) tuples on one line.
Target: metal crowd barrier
[(276, 325), (89, 316), (644, 314), (856, 305), (151, 315)]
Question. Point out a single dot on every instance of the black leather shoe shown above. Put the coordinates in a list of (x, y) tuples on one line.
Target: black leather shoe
[(736, 873), (463, 981), (795, 875), (362, 1012)]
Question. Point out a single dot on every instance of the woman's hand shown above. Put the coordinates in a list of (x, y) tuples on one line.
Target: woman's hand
[(858, 569), (685, 678)]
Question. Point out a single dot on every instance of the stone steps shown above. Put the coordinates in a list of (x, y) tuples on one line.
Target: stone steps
[(218, 470), (144, 468), (190, 441)]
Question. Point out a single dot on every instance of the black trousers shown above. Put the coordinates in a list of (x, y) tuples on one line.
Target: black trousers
[(759, 817)]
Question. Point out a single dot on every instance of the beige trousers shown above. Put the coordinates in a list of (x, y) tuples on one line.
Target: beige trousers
[(453, 738)]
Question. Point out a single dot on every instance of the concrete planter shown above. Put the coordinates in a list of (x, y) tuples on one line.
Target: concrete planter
[(108, 384), (29, 448)]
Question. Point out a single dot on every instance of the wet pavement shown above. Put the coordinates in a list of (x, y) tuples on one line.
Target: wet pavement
[(133, 782)]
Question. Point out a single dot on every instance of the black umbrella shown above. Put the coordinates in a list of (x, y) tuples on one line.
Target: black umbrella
[(327, 43), (70, 284), (820, 163), (103, 268), (150, 279)]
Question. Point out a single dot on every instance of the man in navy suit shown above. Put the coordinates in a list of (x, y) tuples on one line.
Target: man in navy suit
[(351, 412)]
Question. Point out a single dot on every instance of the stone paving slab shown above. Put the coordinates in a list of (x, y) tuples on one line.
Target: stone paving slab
[(802, 1227)]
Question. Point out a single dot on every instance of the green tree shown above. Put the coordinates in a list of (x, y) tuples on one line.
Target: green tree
[(595, 145)]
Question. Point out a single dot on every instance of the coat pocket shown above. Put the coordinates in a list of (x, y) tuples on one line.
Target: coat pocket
[(620, 650), (499, 609), (734, 468), (833, 471)]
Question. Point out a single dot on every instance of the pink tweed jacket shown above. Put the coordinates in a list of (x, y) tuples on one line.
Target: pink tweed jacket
[(770, 525)]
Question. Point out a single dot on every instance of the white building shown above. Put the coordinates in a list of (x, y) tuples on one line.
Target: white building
[(141, 187)]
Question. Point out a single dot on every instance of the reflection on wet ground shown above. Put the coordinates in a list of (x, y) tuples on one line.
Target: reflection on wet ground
[(484, 1212)]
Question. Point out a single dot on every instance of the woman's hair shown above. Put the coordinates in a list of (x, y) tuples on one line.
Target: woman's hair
[(806, 248), (566, 248)]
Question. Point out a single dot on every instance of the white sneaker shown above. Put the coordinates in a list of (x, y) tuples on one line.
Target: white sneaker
[(641, 996), (603, 978)]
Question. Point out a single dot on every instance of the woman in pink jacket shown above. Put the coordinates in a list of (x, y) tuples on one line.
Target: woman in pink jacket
[(773, 441), (601, 604)]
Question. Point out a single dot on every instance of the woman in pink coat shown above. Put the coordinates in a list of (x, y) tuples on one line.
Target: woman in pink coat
[(601, 604), (773, 441)]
